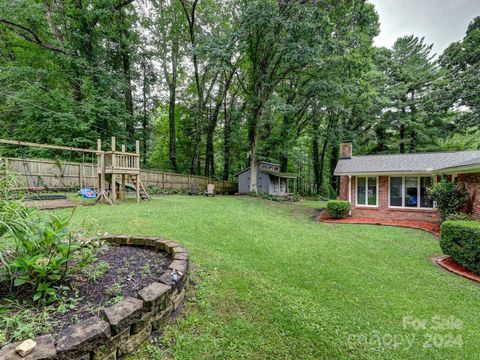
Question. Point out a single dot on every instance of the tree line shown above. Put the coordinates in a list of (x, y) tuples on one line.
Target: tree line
[(210, 87)]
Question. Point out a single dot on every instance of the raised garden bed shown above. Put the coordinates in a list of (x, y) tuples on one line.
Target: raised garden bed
[(106, 324)]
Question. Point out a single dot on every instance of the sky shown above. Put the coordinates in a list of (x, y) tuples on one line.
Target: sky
[(441, 22)]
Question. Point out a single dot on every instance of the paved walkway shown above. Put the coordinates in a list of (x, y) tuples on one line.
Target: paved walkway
[(422, 225)]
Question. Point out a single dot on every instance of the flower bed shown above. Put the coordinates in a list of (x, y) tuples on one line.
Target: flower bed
[(122, 327)]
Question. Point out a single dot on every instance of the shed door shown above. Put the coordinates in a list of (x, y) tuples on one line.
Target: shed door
[(276, 187)]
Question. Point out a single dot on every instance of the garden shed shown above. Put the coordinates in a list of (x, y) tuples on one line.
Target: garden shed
[(270, 180)]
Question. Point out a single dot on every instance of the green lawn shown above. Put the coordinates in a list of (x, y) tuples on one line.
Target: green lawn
[(274, 284)]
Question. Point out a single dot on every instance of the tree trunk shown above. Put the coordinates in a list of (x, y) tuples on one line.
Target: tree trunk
[(326, 142), (227, 132), (285, 144), (144, 114), (402, 138), (333, 163), (172, 87), (253, 162), (402, 132), (191, 19), (126, 67), (212, 124), (253, 135), (412, 145), (315, 152)]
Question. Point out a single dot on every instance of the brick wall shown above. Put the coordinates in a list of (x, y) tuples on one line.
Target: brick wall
[(472, 183), (382, 211), (343, 193)]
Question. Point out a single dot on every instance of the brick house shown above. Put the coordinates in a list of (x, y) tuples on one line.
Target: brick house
[(394, 187)]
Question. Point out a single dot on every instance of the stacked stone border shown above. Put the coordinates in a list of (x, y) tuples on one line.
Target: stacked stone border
[(122, 327)]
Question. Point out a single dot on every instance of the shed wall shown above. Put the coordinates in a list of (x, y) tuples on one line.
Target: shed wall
[(263, 182)]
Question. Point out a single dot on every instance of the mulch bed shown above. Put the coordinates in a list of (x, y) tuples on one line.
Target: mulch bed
[(130, 269), (451, 265), (422, 225)]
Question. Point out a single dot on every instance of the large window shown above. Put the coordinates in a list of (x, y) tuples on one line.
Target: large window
[(367, 191), (410, 192)]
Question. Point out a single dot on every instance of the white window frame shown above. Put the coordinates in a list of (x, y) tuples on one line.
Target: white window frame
[(366, 192), (403, 192)]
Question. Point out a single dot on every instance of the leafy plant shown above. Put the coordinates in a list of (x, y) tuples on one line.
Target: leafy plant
[(96, 272), (461, 240), (114, 290), (43, 255), (458, 216), (44, 250), (14, 214), (449, 197), (338, 209)]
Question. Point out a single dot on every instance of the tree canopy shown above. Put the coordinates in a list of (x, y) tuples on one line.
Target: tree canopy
[(211, 87)]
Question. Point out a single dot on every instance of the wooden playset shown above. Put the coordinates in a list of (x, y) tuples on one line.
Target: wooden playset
[(122, 167)]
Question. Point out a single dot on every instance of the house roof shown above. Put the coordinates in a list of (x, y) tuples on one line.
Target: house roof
[(408, 163)]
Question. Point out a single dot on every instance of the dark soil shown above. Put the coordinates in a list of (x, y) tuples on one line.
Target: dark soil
[(129, 270)]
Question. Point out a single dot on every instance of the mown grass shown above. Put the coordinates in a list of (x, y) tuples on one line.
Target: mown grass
[(273, 284)]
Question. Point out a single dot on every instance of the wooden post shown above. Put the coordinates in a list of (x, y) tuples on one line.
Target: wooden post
[(122, 189), (137, 165), (163, 180), (137, 186), (102, 194), (80, 175)]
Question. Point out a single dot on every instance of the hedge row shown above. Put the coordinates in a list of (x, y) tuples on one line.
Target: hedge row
[(461, 240)]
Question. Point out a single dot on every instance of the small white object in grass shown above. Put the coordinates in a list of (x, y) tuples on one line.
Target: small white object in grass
[(25, 348)]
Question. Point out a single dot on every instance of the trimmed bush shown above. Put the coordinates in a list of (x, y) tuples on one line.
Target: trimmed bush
[(461, 240), (338, 209)]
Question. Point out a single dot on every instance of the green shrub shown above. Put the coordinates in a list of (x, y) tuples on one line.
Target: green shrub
[(338, 209), (461, 240), (449, 197), (42, 250), (458, 216), (46, 253)]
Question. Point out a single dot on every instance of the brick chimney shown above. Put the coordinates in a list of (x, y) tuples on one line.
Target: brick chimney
[(346, 150)]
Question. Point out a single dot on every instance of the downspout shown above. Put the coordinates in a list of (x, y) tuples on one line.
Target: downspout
[(350, 193)]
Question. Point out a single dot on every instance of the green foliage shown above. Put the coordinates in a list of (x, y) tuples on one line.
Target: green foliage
[(41, 247), (43, 255), (279, 198), (153, 190), (458, 216), (13, 212), (338, 209), (462, 75), (95, 273), (448, 197), (19, 320), (461, 240)]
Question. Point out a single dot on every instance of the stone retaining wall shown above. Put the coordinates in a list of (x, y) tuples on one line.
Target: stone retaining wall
[(121, 328)]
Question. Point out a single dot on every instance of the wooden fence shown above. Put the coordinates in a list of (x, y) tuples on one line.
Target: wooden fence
[(71, 175)]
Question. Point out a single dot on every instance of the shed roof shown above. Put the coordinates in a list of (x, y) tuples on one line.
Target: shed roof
[(407, 163), (270, 172), (279, 174)]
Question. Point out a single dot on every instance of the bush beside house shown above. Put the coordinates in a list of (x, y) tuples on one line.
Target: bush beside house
[(461, 240), (338, 209), (449, 197)]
